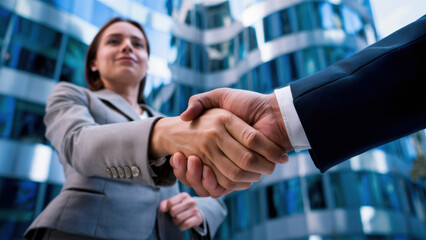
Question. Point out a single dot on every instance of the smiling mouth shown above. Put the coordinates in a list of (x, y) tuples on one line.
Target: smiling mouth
[(126, 60)]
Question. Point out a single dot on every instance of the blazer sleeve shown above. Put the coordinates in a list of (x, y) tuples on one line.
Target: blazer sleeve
[(90, 148), (214, 211), (366, 100)]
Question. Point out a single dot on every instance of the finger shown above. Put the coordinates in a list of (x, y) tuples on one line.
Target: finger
[(284, 158), (211, 185), (255, 141), (189, 223), (226, 182), (178, 198), (179, 164), (185, 215), (163, 206), (186, 205), (224, 166), (200, 102), (194, 175)]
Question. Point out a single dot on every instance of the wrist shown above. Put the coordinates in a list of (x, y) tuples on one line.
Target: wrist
[(157, 146), (286, 144)]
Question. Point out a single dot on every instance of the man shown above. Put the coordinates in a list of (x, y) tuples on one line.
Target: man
[(364, 101)]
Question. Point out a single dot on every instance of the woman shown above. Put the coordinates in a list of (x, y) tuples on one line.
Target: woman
[(113, 149)]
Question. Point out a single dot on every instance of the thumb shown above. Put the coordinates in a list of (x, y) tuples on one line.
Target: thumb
[(200, 102), (163, 206)]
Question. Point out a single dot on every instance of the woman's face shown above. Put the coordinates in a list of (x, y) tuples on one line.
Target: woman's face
[(122, 56)]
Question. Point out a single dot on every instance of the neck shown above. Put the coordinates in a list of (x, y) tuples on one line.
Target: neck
[(129, 93)]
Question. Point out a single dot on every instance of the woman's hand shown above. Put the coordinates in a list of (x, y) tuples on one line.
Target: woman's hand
[(183, 210), (236, 153)]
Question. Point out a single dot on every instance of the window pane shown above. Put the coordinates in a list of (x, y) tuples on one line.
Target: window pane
[(28, 122), (310, 61), (338, 189), (64, 5), (389, 192), (284, 198), (243, 207), (34, 48), (368, 189), (73, 68), (17, 205), (4, 23), (304, 18), (315, 192), (7, 109)]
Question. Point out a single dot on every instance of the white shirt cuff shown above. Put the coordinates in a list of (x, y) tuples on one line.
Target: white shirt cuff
[(292, 123)]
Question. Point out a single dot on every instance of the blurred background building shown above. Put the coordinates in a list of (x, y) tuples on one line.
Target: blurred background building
[(197, 46)]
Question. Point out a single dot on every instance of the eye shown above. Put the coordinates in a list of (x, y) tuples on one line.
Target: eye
[(139, 44), (113, 41)]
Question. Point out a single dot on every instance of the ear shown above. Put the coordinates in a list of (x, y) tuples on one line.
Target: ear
[(94, 66)]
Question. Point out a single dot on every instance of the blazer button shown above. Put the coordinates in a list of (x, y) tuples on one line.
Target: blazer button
[(135, 171), (128, 172), (108, 172), (114, 172), (120, 172)]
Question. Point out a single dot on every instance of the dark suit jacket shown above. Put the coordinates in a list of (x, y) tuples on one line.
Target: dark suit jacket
[(96, 131), (366, 100)]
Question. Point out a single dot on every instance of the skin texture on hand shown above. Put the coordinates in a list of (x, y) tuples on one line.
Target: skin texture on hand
[(183, 210), (236, 153), (259, 110)]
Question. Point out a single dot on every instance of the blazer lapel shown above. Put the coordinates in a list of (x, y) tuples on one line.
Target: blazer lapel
[(118, 103)]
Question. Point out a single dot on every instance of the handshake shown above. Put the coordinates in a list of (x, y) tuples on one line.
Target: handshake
[(224, 141)]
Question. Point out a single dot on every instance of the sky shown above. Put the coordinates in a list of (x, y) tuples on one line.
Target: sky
[(390, 15)]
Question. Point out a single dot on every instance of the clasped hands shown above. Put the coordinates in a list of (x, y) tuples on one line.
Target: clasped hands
[(249, 139)]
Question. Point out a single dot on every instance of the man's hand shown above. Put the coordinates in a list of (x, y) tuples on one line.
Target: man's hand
[(258, 110), (183, 210)]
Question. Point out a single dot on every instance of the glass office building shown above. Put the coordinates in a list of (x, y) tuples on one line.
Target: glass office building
[(197, 46)]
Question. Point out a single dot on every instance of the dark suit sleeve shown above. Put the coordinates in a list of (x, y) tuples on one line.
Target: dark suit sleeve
[(366, 100)]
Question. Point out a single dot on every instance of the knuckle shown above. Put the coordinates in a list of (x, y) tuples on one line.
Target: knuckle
[(248, 161), (251, 137)]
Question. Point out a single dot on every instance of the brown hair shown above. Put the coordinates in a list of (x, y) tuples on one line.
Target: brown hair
[(93, 79)]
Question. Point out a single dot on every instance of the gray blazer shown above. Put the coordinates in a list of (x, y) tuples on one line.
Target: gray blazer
[(112, 188)]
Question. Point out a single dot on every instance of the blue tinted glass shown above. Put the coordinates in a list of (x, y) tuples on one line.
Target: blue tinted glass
[(304, 18), (315, 192), (83, 9), (272, 26), (52, 191), (242, 204), (4, 22), (7, 111), (73, 66), (28, 122), (17, 204), (284, 198), (161, 42), (389, 192), (64, 5), (252, 44), (34, 48), (101, 14), (369, 189), (352, 21), (310, 61)]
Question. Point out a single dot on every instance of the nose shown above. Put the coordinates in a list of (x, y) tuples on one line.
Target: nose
[(127, 46)]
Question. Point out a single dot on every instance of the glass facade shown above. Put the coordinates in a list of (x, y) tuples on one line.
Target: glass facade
[(197, 46)]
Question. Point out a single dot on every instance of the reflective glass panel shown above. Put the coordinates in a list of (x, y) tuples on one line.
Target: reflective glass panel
[(243, 210), (310, 61), (28, 122), (64, 5), (338, 186), (73, 66), (369, 189), (315, 192), (33, 48), (7, 111), (4, 23), (221, 56), (17, 205), (335, 54), (389, 192), (218, 15), (304, 17), (284, 198), (352, 21), (329, 15)]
